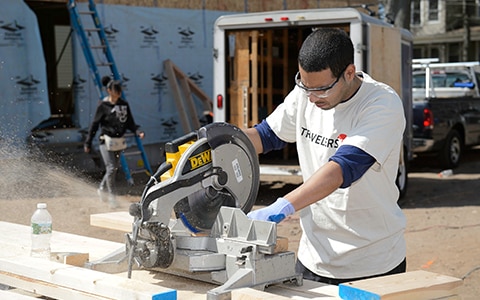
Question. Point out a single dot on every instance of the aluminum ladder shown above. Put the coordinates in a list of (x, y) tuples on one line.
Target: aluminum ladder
[(93, 40)]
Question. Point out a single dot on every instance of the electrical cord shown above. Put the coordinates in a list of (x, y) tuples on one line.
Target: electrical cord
[(470, 272), (442, 226)]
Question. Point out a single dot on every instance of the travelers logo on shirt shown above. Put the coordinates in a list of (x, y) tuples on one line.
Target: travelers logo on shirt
[(341, 137), (322, 140)]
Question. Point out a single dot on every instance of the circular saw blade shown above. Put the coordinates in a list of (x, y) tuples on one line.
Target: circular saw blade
[(234, 154)]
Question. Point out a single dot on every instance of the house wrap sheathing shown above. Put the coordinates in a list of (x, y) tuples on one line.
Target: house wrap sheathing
[(140, 38), (23, 78)]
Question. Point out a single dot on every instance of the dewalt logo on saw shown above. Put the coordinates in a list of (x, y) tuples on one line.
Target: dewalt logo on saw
[(200, 159)]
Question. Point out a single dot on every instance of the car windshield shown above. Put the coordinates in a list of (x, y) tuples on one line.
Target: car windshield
[(440, 79)]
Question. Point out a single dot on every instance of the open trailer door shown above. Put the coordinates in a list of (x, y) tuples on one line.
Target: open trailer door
[(385, 55), (260, 66)]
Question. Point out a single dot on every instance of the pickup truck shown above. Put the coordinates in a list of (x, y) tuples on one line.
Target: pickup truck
[(446, 109)]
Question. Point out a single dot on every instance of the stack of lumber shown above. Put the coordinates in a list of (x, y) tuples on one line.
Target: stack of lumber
[(63, 277)]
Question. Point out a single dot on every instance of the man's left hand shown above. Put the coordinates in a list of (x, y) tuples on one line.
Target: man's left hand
[(275, 212)]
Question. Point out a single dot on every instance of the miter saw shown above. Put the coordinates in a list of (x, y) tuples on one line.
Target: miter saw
[(192, 222)]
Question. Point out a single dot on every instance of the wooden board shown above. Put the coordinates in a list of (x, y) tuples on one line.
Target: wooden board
[(411, 285), (15, 295), (385, 65), (18, 270), (62, 281), (239, 108), (120, 220), (70, 258), (16, 241)]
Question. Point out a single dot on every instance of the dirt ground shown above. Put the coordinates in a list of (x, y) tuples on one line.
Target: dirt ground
[(443, 229)]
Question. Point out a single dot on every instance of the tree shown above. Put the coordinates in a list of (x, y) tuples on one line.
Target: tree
[(397, 12)]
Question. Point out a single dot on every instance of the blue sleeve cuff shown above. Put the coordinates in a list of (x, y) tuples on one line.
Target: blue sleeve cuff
[(270, 141), (354, 163)]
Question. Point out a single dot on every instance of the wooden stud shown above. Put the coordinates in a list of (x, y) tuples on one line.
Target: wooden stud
[(416, 285), (61, 281)]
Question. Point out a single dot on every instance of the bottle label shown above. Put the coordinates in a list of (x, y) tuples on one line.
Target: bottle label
[(41, 228)]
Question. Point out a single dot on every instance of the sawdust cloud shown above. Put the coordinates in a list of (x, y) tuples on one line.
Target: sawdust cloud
[(26, 174)]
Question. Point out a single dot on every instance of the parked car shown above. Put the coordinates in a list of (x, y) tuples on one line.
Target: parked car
[(446, 110)]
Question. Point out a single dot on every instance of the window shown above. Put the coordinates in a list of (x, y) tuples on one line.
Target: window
[(433, 10), (434, 53), (415, 11), (419, 80), (454, 52), (440, 79), (418, 52)]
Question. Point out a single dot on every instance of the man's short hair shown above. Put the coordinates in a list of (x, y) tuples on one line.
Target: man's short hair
[(325, 48)]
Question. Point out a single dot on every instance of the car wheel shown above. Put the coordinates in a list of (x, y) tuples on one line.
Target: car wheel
[(452, 150), (402, 174)]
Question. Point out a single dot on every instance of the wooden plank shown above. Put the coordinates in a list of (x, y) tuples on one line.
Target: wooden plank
[(411, 285), (42, 289), (62, 281), (15, 295), (168, 67), (269, 60), (188, 87), (70, 258), (15, 246), (241, 81), (309, 290), (120, 220), (385, 65), (254, 92), (192, 87), (187, 94), (16, 241)]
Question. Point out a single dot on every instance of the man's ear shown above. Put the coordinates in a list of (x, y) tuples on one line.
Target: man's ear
[(350, 72)]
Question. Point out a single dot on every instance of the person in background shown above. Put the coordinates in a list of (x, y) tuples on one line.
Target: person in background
[(348, 132), (114, 117)]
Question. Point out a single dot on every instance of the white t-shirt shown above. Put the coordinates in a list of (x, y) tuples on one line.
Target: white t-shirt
[(355, 231)]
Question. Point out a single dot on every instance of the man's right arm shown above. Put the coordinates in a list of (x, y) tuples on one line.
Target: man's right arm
[(254, 137), (263, 138)]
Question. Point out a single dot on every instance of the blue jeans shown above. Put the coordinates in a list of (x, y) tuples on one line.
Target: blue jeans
[(111, 159)]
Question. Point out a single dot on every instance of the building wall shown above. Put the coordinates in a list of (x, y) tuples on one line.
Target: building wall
[(427, 27), (232, 5), (447, 38)]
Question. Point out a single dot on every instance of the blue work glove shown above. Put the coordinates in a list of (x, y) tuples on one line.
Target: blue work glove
[(275, 212)]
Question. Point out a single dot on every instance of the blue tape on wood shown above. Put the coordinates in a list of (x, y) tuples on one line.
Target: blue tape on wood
[(167, 295), (348, 292)]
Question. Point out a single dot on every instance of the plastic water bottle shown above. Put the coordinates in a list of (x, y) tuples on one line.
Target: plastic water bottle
[(41, 223)]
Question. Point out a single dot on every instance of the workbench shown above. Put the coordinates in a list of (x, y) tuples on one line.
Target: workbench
[(59, 280)]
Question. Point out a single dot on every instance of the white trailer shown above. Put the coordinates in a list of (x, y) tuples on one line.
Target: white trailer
[(255, 61)]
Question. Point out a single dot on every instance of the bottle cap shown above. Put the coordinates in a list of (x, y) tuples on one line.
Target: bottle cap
[(41, 205)]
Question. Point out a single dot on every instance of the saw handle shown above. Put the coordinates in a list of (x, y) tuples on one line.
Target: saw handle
[(140, 210), (164, 167), (172, 147)]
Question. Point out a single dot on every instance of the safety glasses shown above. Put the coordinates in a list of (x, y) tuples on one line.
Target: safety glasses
[(319, 92)]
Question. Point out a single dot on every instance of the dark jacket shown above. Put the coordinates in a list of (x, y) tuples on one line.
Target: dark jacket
[(114, 120)]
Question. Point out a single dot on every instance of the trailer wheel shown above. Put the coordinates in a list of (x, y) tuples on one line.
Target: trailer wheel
[(402, 175), (452, 150)]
